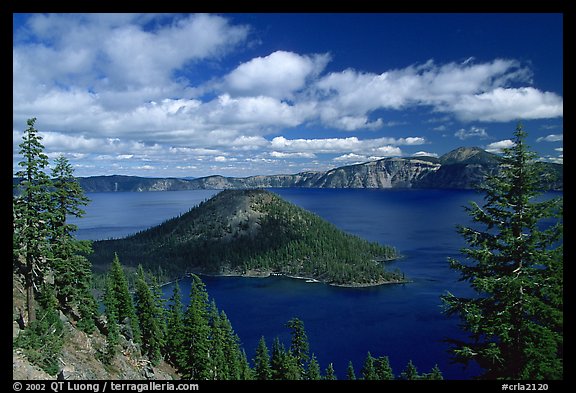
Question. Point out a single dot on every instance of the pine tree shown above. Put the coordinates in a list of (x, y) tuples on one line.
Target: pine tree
[(369, 369), (197, 333), (383, 369), (111, 311), (299, 346), (350, 374), (410, 373), (330, 374), (174, 347), (283, 364), (124, 311), (150, 319), (435, 374), (516, 268), (313, 370), (262, 361), (32, 217), (72, 271)]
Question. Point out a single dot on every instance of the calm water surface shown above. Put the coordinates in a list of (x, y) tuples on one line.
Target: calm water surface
[(404, 322)]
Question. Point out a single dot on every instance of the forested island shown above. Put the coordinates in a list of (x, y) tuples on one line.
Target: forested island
[(253, 233)]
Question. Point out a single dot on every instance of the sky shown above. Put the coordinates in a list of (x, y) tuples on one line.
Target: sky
[(192, 95)]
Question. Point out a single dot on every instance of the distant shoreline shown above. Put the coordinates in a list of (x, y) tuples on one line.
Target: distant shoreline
[(267, 274)]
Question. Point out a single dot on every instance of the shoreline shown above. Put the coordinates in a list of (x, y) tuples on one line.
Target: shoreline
[(267, 274)]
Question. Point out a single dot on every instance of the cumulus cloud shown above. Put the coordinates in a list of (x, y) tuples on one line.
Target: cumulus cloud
[(497, 147), (152, 90), (278, 75), (468, 91), (551, 138)]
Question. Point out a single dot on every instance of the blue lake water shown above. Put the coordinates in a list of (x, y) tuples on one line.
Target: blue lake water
[(404, 322)]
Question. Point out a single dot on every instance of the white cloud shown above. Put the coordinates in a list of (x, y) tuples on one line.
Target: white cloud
[(551, 138), (278, 75), (468, 91), (277, 154), (496, 147), (501, 105), (472, 132), (424, 154)]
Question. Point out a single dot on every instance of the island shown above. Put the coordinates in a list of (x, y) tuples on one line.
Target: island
[(253, 233)]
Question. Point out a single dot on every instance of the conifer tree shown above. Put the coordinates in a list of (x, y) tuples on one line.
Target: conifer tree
[(123, 312), (283, 364), (369, 368), (174, 348), (410, 373), (435, 374), (299, 346), (350, 373), (111, 311), (32, 217), (72, 271), (383, 369), (262, 361), (197, 333), (313, 370), (330, 374), (150, 319), (515, 264)]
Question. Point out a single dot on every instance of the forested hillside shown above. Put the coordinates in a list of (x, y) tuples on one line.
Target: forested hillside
[(253, 232)]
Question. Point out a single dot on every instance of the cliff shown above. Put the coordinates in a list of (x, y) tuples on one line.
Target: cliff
[(461, 168)]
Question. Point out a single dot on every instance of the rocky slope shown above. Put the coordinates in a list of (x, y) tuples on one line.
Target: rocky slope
[(461, 168), (77, 359)]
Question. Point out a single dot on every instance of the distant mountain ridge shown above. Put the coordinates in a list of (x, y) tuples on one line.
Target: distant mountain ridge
[(461, 168)]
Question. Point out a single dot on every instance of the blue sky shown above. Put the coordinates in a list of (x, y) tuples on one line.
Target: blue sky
[(179, 95)]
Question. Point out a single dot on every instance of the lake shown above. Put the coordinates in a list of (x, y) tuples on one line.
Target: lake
[(402, 321)]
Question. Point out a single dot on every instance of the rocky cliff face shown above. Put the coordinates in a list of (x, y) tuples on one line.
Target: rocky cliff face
[(461, 168), (386, 173)]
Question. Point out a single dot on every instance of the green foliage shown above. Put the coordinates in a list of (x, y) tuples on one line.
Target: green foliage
[(124, 313), (262, 368), (410, 373), (383, 369), (515, 264), (284, 366), (197, 333), (174, 348), (313, 371), (42, 340), (150, 319), (350, 373), (330, 374), (253, 230), (299, 347), (32, 215), (435, 374), (369, 368)]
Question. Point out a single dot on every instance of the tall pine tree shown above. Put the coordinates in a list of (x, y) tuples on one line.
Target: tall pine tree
[(197, 333), (515, 264), (32, 217), (262, 361), (150, 319), (72, 271), (174, 347), (124, 312)]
